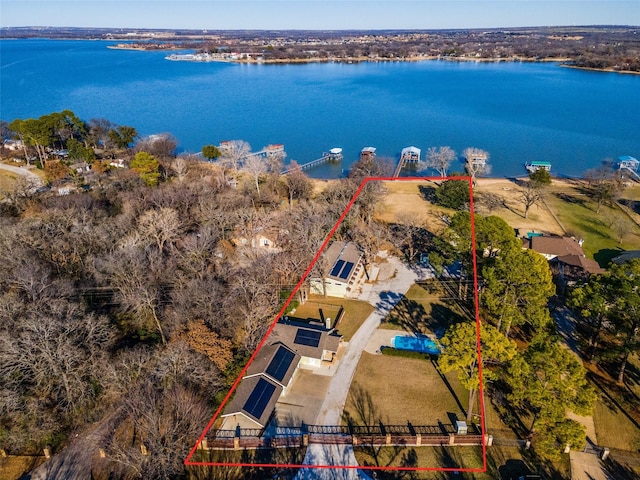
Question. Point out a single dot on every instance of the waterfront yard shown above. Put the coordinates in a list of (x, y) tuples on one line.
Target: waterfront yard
[(605, 233)]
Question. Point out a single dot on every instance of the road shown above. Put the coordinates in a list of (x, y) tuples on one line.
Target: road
[(23, 172), (384, 296), (76, 460)]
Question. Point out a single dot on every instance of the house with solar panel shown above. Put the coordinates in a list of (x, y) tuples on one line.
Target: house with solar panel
[(345, 272), (291, 345)]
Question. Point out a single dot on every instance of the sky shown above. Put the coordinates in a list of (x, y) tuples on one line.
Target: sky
[(315, 14)]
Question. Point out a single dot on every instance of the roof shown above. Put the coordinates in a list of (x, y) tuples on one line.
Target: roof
[(305, 339), (335, 151), (556, 246), (411, 149), (626, 256), (627, 158), (369, 149), (256, 397), (344, 258), (582, 262), (275, 361)]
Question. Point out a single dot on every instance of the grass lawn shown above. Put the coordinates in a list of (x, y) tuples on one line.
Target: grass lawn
[(421, 311), (403, 201), (613, 427), (424, 457), (356, 312), (577, 213), (403, 390)]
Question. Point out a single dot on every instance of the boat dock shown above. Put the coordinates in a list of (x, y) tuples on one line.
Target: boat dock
[(629, 165), (333, 155), (408, 155)]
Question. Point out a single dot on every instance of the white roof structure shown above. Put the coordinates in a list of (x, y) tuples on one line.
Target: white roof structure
[(414, 150), (335, 151)]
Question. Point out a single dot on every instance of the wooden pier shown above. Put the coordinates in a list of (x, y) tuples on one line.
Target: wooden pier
[(408, 155), (333, 155)]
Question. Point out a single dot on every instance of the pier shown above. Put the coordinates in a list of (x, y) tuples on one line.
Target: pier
[(629, 165), (408, 155), (333, 155)]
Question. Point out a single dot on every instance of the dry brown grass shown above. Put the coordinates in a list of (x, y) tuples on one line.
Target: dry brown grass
[(404, 203), (356, 312), (512, 211), (13, 467), (405, 390)]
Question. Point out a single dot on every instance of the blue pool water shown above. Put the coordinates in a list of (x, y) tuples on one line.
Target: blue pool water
[(416, 344)]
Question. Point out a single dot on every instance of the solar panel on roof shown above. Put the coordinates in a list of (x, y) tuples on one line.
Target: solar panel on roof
[(259, 398), (310, 338), (280, 363), (336, 268), (346, 270)]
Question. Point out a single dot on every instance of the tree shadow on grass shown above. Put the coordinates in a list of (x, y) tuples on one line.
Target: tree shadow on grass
[(605, 255), (427, 192), (571, 199), (415, 318)]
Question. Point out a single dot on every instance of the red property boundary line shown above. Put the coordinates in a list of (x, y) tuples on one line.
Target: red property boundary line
[(188, 461)]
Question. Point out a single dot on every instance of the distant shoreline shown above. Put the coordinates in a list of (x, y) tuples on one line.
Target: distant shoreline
[(204, 58)]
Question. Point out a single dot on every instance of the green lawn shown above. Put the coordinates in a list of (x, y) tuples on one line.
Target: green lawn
[(356, 312), (577, 213)]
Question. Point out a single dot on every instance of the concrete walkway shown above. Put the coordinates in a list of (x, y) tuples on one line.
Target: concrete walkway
[(384, 296)]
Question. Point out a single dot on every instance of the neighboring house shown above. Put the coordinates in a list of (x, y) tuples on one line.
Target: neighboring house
[(13, 145), (81, 167), (291, 345), (345, 272), (567, 254), (553, 246), (626, 256), (118, 163), (264, 240)]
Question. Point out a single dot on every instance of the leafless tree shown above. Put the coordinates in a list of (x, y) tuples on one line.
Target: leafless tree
[(181, 167), (159, 226), (234, 153), (256, 167), (440, 159), (477, 162), (530, 194)]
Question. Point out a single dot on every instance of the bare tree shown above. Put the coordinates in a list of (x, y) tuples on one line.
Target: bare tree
[(181, 167), (530, 194), (477, 162), (256, 167), (160, 226), (234, 153), (440, 159)]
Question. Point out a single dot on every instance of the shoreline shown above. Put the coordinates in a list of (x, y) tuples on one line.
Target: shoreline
[(204, 58)]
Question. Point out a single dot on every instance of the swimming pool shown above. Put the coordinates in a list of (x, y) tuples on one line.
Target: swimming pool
[(420, 344)]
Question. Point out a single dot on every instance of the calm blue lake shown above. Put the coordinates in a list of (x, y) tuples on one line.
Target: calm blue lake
[(517, 112)]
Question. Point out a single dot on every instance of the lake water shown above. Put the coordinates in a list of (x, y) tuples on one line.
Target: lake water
[(517, 112)]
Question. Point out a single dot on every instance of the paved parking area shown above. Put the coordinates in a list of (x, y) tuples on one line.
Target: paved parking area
[(381, 338), (303, 399)]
